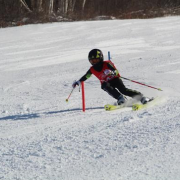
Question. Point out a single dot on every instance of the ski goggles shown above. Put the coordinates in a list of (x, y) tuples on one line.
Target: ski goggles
[(94, 61)]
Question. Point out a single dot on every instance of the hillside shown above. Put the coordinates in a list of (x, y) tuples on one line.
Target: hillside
[(44, 138)]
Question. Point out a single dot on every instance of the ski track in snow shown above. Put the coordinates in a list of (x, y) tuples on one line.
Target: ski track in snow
[(43, 137)]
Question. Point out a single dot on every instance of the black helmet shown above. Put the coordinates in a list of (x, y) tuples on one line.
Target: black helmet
[(96, 54)]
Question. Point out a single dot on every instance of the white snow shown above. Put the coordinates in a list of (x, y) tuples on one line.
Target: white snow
[(44, 138)]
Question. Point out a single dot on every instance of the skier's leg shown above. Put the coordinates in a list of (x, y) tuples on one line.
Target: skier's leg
[(118, 83), (110, 90), (113, 92)]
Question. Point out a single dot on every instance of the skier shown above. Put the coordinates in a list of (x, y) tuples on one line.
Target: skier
[(110, 79)]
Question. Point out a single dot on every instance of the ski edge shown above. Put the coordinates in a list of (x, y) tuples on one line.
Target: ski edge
[(138, 106), (110, 107)]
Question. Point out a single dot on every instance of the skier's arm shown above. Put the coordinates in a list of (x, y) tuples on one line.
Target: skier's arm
[(83, 78), (86, 76), (111, 67)]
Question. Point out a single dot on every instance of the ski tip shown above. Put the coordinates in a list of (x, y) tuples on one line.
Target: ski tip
[(107, 107), (136, 107)]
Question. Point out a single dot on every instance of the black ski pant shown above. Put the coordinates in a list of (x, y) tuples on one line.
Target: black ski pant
[(116, 87)]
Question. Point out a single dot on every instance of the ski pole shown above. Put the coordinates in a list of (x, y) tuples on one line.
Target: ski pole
[(109, 58), (141, 83), (70, 94)]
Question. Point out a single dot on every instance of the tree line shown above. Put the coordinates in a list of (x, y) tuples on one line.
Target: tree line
[(11, 10)]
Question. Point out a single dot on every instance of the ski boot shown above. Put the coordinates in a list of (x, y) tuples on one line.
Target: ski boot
[(145, 100), (121, 100)]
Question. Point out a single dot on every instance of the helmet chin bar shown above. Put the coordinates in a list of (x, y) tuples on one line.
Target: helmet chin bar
[(94, 61)]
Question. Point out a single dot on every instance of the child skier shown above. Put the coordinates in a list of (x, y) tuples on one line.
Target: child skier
[(110, 79)]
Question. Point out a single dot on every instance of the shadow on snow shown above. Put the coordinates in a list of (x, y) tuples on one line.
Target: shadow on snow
[(37, 115)]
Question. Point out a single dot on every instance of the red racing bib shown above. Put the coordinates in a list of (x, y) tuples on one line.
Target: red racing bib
[(101, 76)]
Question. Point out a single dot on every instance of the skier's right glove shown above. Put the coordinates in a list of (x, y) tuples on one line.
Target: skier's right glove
[(109, 72), (76, 83)]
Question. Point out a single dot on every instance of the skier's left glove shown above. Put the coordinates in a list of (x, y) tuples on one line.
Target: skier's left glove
[(108, 72), (76, 83)]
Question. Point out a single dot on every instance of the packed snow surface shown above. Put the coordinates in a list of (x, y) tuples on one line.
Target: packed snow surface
[(42, 137)]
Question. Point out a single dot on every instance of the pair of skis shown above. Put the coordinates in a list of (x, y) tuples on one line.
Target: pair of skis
[(135, 106)]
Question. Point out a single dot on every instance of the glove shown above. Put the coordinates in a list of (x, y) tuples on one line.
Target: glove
[(76, 83), (108, 72)]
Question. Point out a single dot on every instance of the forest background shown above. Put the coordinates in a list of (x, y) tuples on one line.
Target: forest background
[(20, 12)]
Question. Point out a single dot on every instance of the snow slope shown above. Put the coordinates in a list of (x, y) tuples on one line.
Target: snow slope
[(44, 138)]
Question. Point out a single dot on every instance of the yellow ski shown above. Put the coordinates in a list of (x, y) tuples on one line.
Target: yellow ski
[(134, 105), (137, 107), (110, 107), (129, 103), (151, 103)]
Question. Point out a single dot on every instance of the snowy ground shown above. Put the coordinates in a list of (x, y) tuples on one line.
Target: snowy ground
[(44, 138)]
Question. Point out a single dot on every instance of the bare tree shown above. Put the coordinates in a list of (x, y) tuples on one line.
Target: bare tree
[(51, 3), (15, 10), (83, 4), (25, 5), (40, 6)]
